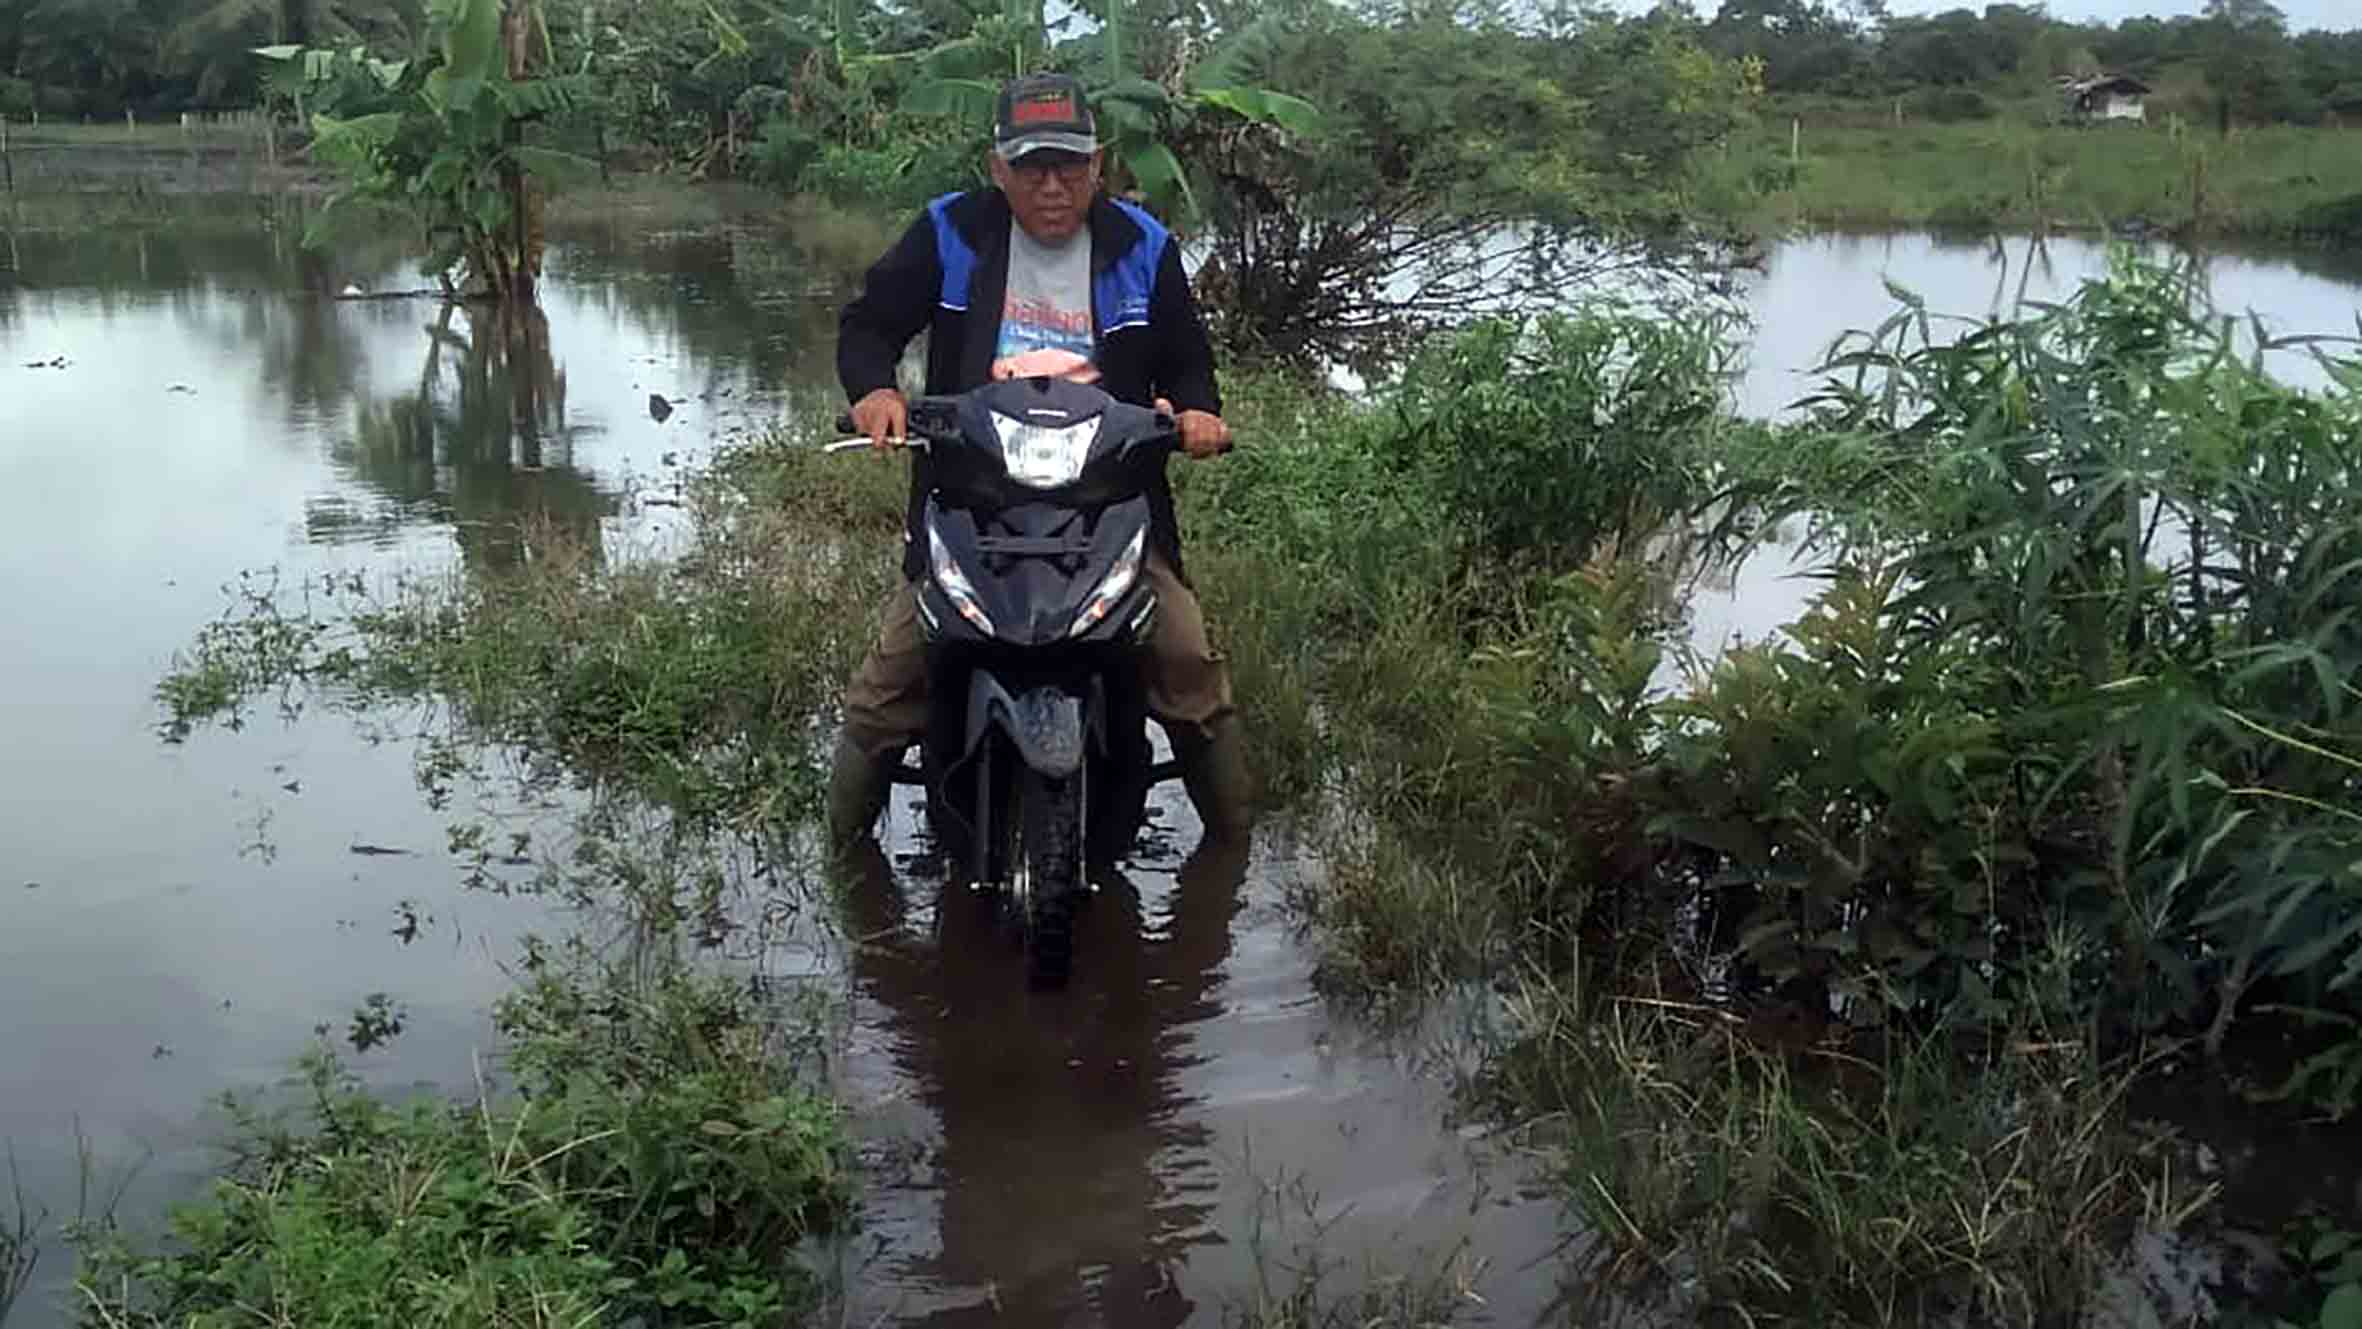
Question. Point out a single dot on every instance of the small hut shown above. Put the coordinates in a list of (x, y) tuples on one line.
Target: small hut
[(2107, 97)]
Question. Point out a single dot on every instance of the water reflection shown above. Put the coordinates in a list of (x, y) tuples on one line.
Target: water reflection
[(483, 443), (1069, 1185)]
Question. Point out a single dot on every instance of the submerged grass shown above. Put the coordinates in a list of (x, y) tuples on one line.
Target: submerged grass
[(1300, 1280), (698, 679)]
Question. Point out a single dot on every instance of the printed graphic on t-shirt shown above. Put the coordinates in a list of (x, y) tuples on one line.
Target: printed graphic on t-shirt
[(1038, 325), (1048, 305)]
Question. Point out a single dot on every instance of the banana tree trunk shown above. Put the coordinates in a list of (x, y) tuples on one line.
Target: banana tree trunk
[(516, 32)]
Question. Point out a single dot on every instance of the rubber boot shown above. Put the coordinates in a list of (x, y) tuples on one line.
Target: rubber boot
[(858, 786), (1214, 771)]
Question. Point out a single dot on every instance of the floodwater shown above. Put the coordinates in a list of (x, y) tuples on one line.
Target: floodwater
[(175, 920)]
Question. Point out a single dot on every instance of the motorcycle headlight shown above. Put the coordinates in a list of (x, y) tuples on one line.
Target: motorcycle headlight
[(956, 586), (1118, 580), (1043, 456)]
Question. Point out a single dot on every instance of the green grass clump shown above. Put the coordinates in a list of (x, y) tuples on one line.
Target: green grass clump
[(660, 1164)]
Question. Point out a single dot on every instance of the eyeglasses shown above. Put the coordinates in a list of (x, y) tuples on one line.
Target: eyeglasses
[(1035, 169)]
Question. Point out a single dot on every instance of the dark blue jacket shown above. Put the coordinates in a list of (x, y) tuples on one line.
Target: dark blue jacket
[(949, 274)]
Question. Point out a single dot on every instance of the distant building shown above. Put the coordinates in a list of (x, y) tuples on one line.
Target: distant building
[(2109, 97)]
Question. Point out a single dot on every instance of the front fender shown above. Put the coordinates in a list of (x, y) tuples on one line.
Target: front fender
[(1045, 724)]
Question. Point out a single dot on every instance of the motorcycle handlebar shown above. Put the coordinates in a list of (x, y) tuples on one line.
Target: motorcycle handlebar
[(1172, 426)]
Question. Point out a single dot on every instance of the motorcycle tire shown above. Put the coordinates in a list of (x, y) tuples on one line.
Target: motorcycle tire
[(1049, 854)]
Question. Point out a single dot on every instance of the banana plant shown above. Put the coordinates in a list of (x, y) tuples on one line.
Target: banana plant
[(442, 139), (1140, 120)]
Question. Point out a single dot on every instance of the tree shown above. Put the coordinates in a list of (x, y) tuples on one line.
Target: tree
[(2246, 57), (2247, 14), (1802, 44), (443, 139), (1452, 170)]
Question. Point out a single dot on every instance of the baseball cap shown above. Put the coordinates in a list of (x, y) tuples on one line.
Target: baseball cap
[(1043, 111)]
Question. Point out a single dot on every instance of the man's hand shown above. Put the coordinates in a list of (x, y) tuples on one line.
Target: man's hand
[(882, 417), (1203, 434)]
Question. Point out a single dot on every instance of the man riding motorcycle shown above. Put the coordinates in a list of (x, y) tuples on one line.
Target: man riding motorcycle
[(1038, 274)]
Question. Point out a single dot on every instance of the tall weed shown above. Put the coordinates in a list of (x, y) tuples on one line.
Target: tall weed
[(2150, 544)]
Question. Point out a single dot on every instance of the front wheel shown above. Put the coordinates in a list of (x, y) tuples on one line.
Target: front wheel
[(1047, 872)]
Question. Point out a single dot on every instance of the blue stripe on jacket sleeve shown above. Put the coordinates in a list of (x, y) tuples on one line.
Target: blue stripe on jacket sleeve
[(1125, 286), (954, 253)]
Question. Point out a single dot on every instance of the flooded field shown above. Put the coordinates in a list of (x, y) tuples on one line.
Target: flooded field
[(184, 420)]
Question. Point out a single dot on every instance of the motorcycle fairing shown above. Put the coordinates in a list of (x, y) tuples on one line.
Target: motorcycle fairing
[(1033, 567)]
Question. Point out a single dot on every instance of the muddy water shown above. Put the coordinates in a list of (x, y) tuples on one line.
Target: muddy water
[(1151, 1147), (1183, 1126)]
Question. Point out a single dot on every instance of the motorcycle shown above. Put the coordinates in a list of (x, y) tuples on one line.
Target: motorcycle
[(1036, 760)]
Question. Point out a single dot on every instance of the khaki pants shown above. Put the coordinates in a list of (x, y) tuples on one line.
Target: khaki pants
[(1187, 680)]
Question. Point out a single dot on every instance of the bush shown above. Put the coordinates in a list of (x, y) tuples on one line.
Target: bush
[(782, 152), (1553, 439)]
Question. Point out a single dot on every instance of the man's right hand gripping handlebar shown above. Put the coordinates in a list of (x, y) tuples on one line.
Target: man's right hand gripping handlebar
[(882, 417)]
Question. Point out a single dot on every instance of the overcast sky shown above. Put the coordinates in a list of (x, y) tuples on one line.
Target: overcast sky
[(2302, 14)]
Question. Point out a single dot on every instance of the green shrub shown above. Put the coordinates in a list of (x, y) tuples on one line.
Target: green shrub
[(1554, 439)]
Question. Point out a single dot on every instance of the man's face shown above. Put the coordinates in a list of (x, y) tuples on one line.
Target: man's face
[(1050, 191)]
